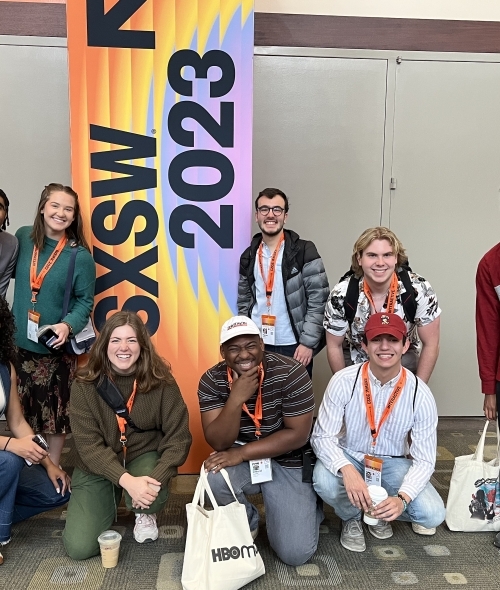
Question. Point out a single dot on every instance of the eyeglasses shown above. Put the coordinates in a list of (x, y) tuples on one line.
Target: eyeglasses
[(265, 210)]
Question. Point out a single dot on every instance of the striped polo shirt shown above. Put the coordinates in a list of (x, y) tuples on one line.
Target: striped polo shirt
[(286, 391)]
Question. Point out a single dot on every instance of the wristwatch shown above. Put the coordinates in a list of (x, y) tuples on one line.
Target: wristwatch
[(70, 328), (405, 503)]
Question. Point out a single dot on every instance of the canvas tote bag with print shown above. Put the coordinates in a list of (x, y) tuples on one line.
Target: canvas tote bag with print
[(474, 497), (220, 553)]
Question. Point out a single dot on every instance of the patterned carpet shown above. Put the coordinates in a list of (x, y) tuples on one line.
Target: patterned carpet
[(35, 558)]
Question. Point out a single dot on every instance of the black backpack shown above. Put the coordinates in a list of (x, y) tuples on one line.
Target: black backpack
[(409, 300)]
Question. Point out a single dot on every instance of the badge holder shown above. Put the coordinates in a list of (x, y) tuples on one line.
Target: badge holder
[(261, 470), (373, 470), (269, 329)]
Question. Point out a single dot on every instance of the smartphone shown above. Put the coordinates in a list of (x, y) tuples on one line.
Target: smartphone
[(41, 442), (46, 336)]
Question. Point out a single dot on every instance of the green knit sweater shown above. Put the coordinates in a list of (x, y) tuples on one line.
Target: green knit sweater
[(50, 299), (97, 437)]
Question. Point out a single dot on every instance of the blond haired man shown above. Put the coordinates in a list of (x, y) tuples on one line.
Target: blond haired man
[(379, 277)]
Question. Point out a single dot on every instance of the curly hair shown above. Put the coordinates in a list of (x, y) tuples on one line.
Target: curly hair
[(6, 204), (7, 330), (151, 369)]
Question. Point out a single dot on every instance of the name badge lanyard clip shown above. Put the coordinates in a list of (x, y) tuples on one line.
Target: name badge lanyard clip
[(391, 402), (37, 280), (257, 416), (122, 423), (391, 296), (269, 282)]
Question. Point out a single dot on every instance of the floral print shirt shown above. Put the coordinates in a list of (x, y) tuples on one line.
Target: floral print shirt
[(336, 323)]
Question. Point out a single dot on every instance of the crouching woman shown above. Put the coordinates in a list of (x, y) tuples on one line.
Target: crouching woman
[(138, 456), (24, 491)]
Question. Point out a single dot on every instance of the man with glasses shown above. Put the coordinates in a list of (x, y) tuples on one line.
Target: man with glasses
[(283, 285), (9, 246)]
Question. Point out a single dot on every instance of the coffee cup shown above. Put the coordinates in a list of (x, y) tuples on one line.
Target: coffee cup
[(377, 494), (109, 542)]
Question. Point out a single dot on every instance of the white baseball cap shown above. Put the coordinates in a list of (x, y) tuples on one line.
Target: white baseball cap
[(238, 325)]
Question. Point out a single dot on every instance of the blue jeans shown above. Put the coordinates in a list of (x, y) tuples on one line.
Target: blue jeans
[(293, 511), (24, 492), (427, 509), (289, 350)]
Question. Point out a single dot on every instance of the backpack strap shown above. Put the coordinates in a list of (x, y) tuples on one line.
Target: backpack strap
[(69, 279), (408, 298), (415, 392), (113, 397), (351, 299), (356, 380)]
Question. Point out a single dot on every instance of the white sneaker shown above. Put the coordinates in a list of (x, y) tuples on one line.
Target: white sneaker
[(145, 529), (421, 530)]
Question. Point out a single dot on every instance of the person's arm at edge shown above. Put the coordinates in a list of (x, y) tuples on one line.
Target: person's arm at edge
[(9, 270), (487, 336), (245, 295)]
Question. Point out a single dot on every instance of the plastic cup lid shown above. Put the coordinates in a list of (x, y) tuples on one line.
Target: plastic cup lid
[(108, 536)]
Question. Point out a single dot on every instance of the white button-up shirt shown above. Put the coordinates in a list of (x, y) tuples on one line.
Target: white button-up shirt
[(342, 424)]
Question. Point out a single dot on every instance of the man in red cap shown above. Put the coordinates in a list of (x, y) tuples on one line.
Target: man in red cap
[(361, 439)]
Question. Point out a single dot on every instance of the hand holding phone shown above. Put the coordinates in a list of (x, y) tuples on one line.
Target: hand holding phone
[(41, 442)]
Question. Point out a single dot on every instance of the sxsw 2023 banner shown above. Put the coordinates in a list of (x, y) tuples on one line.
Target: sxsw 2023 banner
[(161, 123)]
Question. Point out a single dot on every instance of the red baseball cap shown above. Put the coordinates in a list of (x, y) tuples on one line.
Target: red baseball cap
[(385, 323)]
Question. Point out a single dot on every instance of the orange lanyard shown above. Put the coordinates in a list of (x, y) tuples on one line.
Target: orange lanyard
[(257, 417), (269, 283), (370, 412), (122, 423), (391, 296), (37, 280)]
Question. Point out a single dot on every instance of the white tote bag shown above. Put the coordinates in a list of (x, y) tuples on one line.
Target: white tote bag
[(220, 553), (474, 497)]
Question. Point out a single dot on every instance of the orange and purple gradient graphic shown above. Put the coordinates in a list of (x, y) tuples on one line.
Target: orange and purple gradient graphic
[(186, 107)]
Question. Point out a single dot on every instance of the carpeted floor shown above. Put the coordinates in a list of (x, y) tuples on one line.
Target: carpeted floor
[(35, 558)]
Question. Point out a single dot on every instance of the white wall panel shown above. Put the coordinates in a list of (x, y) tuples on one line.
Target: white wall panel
[(446, 208)]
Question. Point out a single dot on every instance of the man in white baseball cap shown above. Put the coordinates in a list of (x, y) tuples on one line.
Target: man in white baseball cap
[(256, 411)]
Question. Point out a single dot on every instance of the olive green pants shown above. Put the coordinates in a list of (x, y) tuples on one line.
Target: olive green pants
[(93, 504)]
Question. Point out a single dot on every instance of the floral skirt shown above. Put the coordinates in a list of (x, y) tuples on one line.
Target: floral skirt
[(43, 384)]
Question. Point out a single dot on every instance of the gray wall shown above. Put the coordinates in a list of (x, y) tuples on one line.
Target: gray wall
[(331, 128)]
